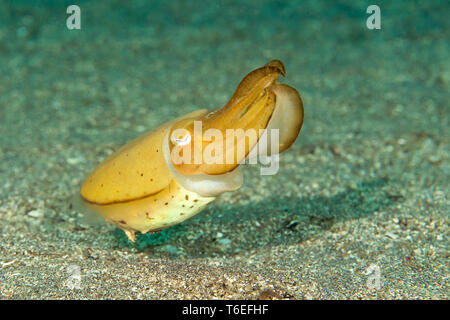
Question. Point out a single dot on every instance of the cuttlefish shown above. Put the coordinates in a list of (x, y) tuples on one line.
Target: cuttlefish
[(171, 173)]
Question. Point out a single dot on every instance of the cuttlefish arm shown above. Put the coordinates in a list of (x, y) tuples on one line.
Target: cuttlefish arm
[(259, 103)]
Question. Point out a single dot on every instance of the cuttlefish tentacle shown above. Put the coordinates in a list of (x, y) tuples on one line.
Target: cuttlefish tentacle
[(258, 103), (140, 188), (255, 81)]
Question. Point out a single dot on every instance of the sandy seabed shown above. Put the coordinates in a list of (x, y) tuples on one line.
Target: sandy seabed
[(363, 192)]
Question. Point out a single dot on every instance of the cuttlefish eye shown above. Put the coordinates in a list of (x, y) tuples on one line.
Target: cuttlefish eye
[(180, 137)]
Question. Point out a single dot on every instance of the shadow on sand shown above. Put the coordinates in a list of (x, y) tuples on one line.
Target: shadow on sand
[(271, 222)]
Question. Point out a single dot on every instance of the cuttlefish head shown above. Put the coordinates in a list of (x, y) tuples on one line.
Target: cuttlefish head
[(216, 142)]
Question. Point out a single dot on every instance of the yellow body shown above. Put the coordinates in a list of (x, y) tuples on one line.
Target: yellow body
[(136, 170), (139, 189)]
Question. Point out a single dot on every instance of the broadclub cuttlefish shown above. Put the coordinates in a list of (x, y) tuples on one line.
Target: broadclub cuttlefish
[(171, 173)]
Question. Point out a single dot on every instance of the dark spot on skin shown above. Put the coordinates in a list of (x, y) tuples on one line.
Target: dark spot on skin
[(155, 200), (157, 150), (183, 205), (191, 207), (122, 222), (196, 200), (101, 185), (172, 197), (151, 179), (181, 213), (142, 174), (166, 203), (186, 197)]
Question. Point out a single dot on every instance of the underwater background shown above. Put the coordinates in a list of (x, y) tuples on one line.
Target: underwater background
[(363, 193)]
